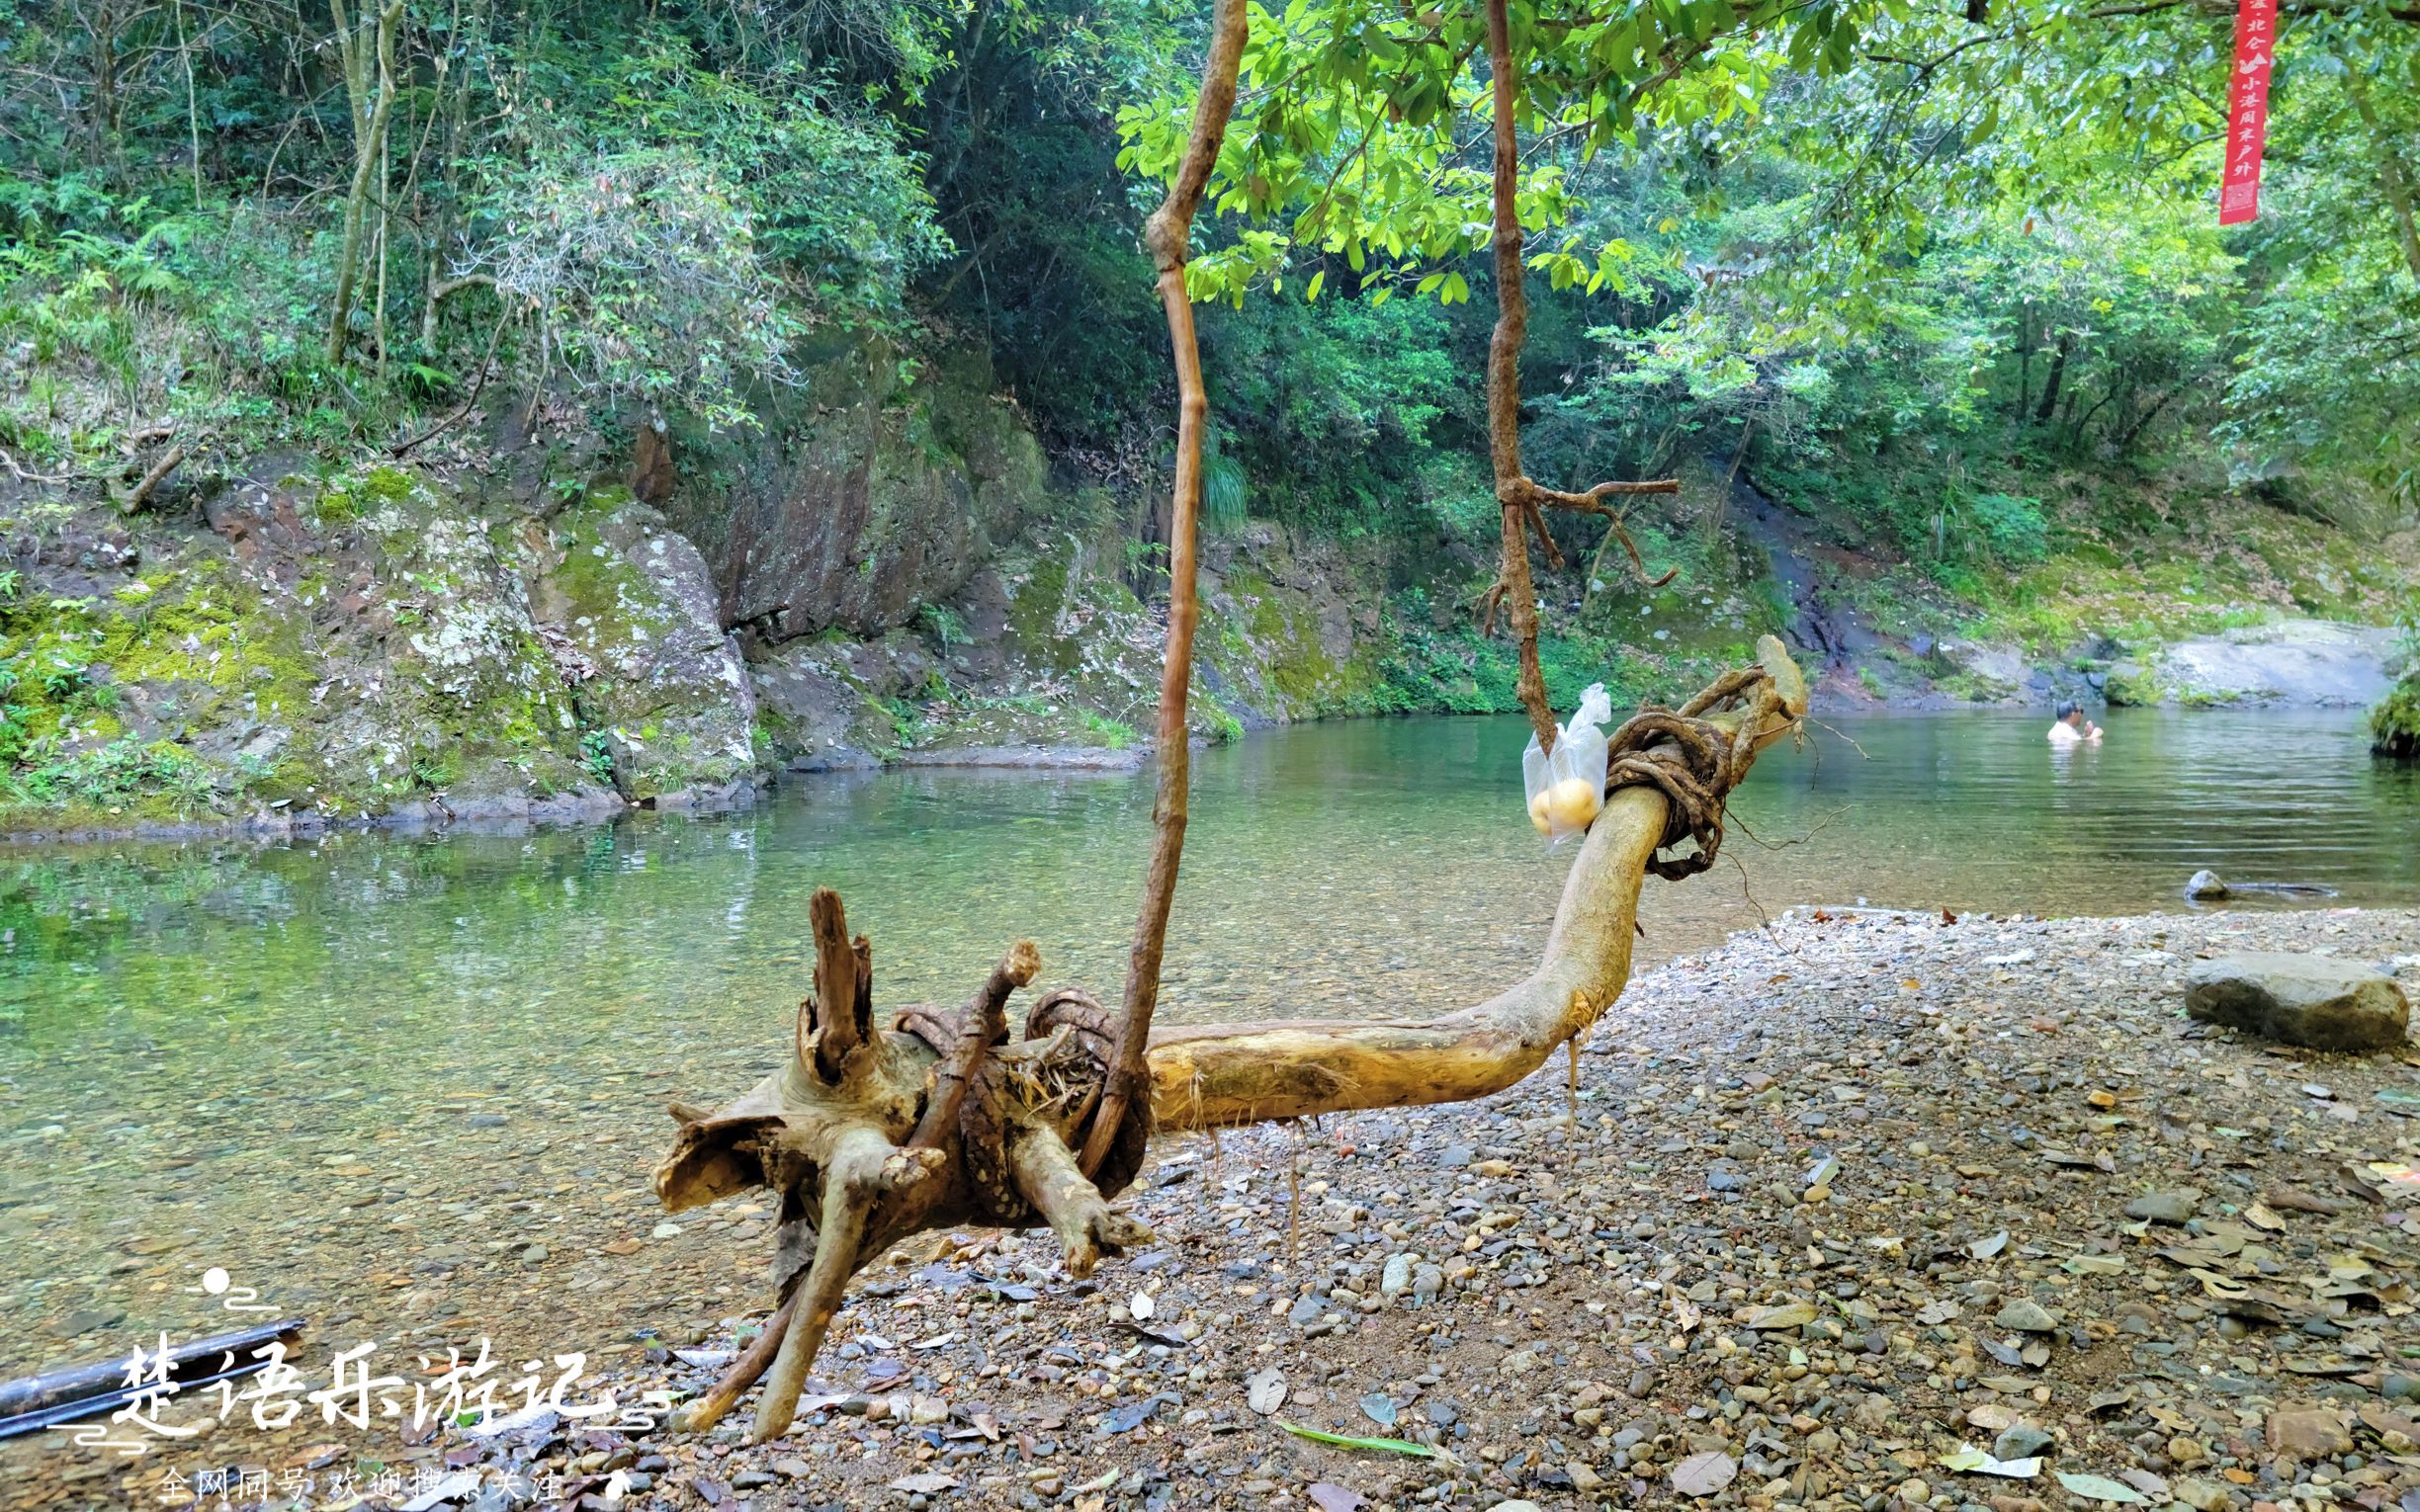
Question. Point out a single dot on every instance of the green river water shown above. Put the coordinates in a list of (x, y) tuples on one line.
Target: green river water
[(360, 1070)]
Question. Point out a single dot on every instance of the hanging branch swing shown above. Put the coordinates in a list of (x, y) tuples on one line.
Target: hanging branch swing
[(939, 1120)]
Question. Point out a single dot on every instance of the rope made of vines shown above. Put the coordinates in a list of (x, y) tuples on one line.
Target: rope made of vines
[(982, 1122), (1697, 770)]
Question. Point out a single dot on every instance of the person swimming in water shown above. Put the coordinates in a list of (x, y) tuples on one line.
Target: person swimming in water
[(2070, 727)]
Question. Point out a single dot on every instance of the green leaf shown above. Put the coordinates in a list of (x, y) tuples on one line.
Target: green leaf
[(1387, 1446)]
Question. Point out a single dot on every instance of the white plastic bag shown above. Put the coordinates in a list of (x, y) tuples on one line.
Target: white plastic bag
[(1565, 787)]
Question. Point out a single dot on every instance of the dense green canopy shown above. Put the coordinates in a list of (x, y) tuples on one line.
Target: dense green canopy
[(1980, 235)]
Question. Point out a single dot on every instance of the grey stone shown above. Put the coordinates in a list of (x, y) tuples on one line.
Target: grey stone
[(2202, 1496), (86, 1320), (2206, 883), (2310, 663), (2307, 1000), (2022, 1441), (2025, 1318)]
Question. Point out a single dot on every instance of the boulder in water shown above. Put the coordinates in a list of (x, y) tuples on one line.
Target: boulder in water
[(2307, 1000), (2206, 883)]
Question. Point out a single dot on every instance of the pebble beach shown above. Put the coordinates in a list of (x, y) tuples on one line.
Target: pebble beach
[(1864, 1210)]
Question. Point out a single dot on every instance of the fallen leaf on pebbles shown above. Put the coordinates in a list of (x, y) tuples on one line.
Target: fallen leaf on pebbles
[(2100, 1488), (1705, 1473), (1265, 1390), (1384, 1445)]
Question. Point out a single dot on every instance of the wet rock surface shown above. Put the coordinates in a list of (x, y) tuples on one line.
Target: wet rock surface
[(2010, 1232), (2311, 663)]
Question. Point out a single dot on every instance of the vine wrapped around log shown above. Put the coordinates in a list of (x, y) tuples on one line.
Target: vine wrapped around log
[(940, 1120)]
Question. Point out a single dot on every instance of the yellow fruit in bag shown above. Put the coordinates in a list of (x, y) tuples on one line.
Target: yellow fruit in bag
[(1573, 802), (1565, 776)]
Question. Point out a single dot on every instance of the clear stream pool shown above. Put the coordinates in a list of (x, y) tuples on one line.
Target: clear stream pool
[(418, 1079)]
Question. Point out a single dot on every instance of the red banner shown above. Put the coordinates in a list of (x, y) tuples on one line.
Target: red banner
[(2248, 111)]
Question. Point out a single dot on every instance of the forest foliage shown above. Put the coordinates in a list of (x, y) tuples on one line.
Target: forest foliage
[(1911, 263)]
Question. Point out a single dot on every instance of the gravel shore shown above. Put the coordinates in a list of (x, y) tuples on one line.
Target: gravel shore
[(1864, 1211)]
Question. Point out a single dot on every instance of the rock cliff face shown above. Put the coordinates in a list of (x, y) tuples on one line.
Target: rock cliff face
[(2310, 663), (881, 485), (378, 644)]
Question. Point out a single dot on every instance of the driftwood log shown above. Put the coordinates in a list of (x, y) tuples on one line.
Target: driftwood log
[(940, 1120)]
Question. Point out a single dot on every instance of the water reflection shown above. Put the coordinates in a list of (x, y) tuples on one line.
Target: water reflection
[(1367, 862)]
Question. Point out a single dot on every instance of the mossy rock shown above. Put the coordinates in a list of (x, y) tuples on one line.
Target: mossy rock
[(655, 675), (884, 480), (2394, 721), (2132, 685), (379, 643)]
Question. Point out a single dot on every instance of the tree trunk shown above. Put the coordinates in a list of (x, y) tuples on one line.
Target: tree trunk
[(654, 473), (1215, 1075), (1521, 497), (2024, 359), (101, 120), (2051, 383), (2142, 422), (1504, 376), (2084, 421), (2394, 178), (192, 110), (369, 68)]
